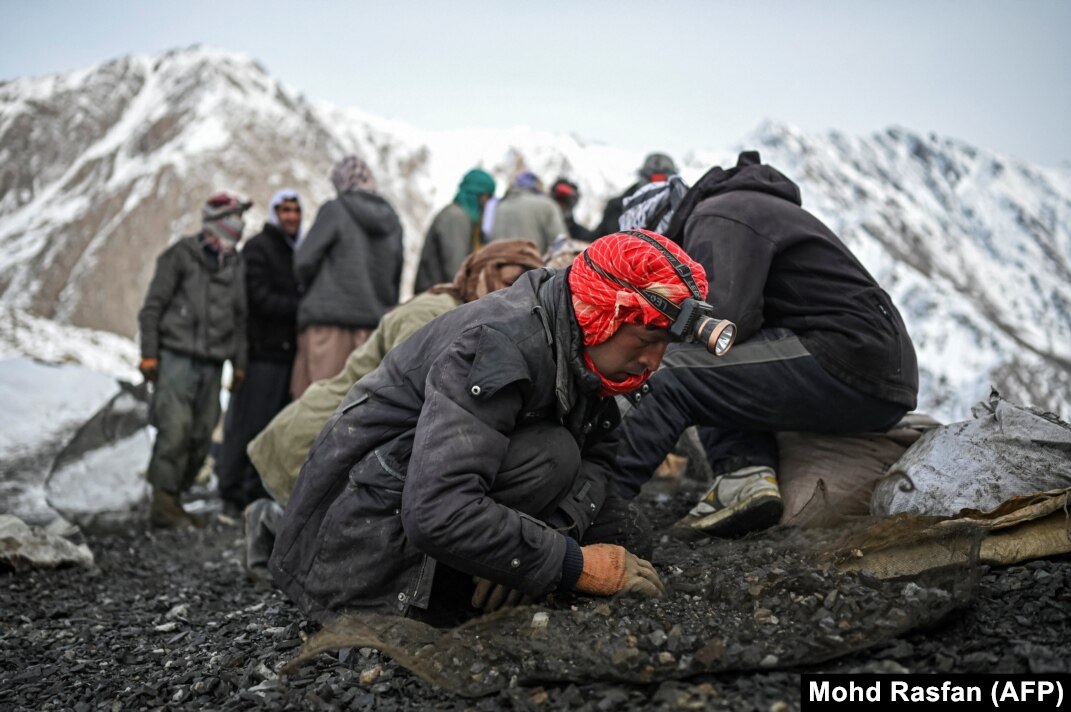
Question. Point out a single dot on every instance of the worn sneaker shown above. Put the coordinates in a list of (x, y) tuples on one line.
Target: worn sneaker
[(743, 501)]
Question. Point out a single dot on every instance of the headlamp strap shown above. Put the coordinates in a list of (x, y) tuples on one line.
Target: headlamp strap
[(660, 303), (667, 308)]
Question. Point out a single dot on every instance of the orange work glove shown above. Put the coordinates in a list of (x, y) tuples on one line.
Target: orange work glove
[(610, 569), (150, 369)]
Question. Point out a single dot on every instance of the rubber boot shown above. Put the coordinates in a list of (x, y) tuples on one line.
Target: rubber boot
[(166, 512)]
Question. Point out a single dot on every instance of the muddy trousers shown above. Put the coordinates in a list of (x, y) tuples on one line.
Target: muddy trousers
[(541, 471), (185, 410), (767, 384), (263, 393)]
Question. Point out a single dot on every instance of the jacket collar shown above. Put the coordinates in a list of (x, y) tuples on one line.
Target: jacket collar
[(572, 381)]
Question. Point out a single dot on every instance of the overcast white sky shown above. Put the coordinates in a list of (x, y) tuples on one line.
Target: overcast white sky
[(640, 75)]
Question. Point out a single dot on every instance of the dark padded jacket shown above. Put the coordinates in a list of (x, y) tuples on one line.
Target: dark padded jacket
[(350, 263), (272, 293), (398, 478), (195, 305), (611, 214), (770, 263), (578, 231)]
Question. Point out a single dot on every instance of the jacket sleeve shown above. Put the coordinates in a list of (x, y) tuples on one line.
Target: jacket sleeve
[(737, 261), (555, 225), (261, 297), (455, 242), (582, 505), (321, 236), (241, 316), (428, 270), (165, 281), (610, 216), (399, 263), (461, 440)]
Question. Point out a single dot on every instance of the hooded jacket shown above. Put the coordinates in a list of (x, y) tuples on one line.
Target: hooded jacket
[(350, 263), (773, 264), (196, 305), (397, 480)]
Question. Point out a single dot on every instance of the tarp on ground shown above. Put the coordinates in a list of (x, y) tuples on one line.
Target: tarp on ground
[(764, 602), (785, 598)]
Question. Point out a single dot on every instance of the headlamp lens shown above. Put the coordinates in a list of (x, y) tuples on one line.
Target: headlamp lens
[(725, 340), (717, 335)]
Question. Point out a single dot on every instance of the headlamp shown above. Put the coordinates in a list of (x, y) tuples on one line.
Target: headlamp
[(696, 324), (693, 321)]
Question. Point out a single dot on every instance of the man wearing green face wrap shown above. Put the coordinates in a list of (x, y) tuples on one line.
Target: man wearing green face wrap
[(455, 232)]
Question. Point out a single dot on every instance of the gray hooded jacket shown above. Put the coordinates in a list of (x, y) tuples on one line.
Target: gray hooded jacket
[(350, 263)]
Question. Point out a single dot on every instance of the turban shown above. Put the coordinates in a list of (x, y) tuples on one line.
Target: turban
[(280, 197), (352, 174), (491, 268), (602, 305), (474, 184), (222, 224)]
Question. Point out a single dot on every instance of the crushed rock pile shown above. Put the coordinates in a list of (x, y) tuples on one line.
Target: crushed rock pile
[(168, 620)]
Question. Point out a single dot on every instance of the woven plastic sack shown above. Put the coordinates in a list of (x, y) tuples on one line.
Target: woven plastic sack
[(1006, 451)]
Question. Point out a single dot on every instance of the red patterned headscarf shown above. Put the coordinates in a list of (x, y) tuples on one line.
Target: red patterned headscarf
[(602, 305)]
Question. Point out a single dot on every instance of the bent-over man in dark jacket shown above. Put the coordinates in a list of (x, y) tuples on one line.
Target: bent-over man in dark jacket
[(481, 447), (820, 347), (193, 320)]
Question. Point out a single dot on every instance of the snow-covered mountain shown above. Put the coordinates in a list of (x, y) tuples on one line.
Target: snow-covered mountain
[(101, 168)]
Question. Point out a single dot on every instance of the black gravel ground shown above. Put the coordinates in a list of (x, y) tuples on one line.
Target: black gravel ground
[(168, 620)]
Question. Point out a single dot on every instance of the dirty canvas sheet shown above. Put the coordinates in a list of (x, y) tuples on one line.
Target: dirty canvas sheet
[(769, 601)]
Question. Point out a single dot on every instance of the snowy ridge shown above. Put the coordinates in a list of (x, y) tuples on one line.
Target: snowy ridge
[(25, 336), (104, 166)]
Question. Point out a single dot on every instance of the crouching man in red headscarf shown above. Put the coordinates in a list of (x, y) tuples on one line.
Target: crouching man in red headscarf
[(473, 466)]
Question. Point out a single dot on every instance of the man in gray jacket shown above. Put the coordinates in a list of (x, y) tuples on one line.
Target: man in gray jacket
[(348, 268), (456, 231), (483, 447), (526, 213), (193, 320)]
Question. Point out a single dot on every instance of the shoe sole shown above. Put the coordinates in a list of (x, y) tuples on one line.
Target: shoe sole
[(760, 512)]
